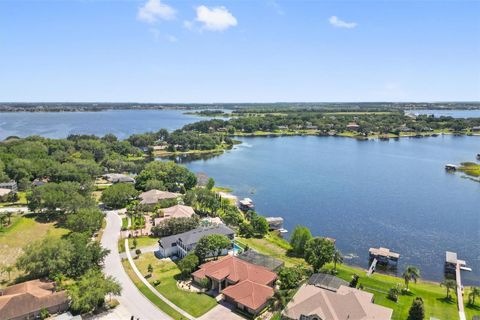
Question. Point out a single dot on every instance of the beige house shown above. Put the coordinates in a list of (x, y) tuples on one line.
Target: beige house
[(178, 211), (25, 300), (153, 196), (315, 303)]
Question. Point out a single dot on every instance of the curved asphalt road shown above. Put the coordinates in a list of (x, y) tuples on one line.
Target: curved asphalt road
[(131, 298)]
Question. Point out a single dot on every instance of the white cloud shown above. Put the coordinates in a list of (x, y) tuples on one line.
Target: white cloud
[(153, 10), (171, 38), (214, 19), (338, 23)]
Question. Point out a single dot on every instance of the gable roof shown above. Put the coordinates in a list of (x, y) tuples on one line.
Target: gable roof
[(192, 236), (235, 270), (153, 196), (346, 303), (27, 297)]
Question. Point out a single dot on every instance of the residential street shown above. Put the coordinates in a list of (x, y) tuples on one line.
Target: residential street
[(131, 299)]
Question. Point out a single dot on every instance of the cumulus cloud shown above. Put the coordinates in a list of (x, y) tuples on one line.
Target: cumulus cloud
[(338, 23), (214, 19), (153, 10)]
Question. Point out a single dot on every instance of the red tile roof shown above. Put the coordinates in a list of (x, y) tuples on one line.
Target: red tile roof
[(251, 281), (235, 270)]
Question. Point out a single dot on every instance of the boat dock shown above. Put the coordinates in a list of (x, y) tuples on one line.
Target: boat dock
[(455, 265), (381, 255), (276, 224)]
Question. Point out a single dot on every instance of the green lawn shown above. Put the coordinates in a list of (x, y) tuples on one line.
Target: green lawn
[(149, 294), (22, 231), (22, 201), (166, 271), (124, 223), (143, 242), (433, 295)]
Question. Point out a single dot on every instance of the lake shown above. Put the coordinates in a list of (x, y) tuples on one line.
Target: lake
[(394, 194), (448, 113), (121, 123)]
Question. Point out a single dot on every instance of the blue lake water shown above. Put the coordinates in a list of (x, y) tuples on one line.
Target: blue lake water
[(394, 194), (122, 123), (448, 113)]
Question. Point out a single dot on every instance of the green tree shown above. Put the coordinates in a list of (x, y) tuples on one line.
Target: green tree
[(417, 310), (134, 243), (260, 226), (279, 299), (188, 264), (337, 258), (85, 220), (88, 293), (169, 173), (299, 238), (210, 184), (150, 269), (211, 245), (10, 268), (318, 252), (245, 229), (474, 292), (118, 195), (290, 277), (411, 273), (449, 284)]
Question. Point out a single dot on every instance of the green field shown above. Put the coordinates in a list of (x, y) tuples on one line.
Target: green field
[(143, 242), (167, 272), (22, 231), (433, 295)]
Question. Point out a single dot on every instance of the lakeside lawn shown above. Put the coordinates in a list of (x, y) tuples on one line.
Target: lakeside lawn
[(22, 231), (143, 242), (167, 273), (149, 294), (432, 293)]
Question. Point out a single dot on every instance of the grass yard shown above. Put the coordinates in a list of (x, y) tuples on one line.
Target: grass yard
[(143, 242), (149, 294), (22, 201), (432, 294), (166, 271), (22, 231)]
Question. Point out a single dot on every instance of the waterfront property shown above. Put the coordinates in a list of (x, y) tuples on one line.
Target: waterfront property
[(263, 260), (118, 178), (246, 204), (11, 185), (177, 211), (326, 281), (313, 302), (248, 286), (181, 244), (152, 197), (26, 300)]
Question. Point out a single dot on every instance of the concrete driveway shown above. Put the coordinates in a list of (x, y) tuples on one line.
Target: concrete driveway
[(131, 299), (221, 312)]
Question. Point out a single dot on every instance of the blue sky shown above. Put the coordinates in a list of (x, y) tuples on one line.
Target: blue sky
[(239, 51)]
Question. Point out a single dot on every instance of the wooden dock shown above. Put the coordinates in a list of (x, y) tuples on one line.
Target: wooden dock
[(461, 311), (452, 263), (372, 267)]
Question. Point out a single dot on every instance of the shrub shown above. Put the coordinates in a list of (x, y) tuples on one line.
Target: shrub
[(138, 252), (156, 282)]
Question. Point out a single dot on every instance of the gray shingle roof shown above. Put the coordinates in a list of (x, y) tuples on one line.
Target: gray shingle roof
[(192, 236)]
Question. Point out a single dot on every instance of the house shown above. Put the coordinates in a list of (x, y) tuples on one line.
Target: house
[(353, 126), (314, 302), (25, 300), (259, 259), (476, 129), (181, 244), (247, 286), (12, 185), (177, 211), (153, 196), (118, 178), (311, 127)]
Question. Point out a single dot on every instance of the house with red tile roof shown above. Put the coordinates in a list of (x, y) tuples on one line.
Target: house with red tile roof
[(247, 286)]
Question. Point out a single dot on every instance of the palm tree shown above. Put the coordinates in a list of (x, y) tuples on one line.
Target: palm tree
[(279, 299), (411, 273), (9, 216), (337, 258), (8, 269), (449, 285), (474, 292)]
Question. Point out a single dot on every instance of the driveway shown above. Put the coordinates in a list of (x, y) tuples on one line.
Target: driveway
[(221, 312), (131, 299)]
